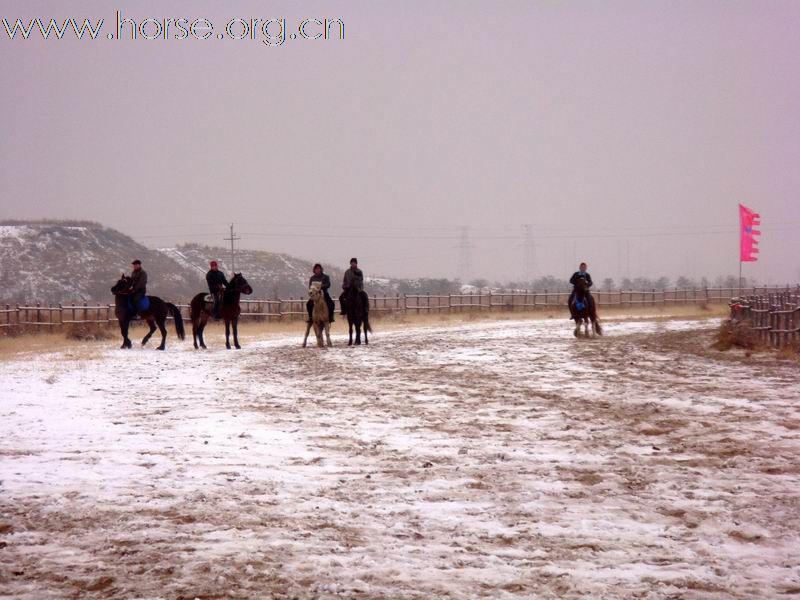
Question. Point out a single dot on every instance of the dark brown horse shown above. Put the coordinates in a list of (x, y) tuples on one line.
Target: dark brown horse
[(357, 310), (155, 314), (583, 310), (229, 310)]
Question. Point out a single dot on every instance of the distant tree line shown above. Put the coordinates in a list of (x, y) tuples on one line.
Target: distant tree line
[(559, 284)]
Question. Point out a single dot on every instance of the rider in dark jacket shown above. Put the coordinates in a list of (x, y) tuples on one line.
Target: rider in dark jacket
[(216, 286), (581, 273), (353, 278), (138, 288), (325, 284)]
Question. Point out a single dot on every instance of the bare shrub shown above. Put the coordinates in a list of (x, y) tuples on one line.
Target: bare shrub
[(87, 332), (735, 334)]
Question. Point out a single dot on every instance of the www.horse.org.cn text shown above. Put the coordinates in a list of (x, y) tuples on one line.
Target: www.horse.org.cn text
[(271, 32)]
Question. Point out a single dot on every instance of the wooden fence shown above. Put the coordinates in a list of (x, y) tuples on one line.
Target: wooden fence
[(50, 316), (775, 317)]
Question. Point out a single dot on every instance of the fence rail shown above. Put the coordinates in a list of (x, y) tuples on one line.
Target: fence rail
[(58, 315), (774, 317)]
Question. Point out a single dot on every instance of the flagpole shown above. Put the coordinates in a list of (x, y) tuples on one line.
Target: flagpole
[(740, 277), (740, 251)]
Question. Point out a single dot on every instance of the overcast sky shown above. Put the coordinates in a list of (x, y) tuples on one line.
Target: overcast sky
[(624, 133)]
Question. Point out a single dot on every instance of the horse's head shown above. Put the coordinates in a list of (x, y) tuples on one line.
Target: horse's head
[(315, 290), (581, 287), (239, 284), (122, 285)]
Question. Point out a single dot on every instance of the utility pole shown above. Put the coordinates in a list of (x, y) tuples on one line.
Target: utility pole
[(464, 255), (232, 239)]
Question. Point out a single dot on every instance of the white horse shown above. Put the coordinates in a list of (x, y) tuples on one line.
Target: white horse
[(320, 318)]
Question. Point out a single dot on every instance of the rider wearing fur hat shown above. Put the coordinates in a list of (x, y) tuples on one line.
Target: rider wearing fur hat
[(325, 283)]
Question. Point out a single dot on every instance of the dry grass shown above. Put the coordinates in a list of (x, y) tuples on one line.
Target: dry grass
[(87, 332), (86, 341), (790, 352)]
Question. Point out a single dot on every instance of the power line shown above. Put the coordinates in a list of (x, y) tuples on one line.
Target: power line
[(622, 232)]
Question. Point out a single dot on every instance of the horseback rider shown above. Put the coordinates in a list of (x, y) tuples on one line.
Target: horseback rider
[(138, 286), (325, 284), (581, 273), (353, 278), (216, 286)]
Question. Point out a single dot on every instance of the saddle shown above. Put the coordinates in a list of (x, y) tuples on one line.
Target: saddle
[(141, 306), (582, 305)]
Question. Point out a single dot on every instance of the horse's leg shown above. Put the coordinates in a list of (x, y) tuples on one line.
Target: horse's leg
[(328, 333), (577, 331), (202, 330), (318, 333), (350, 328), (195, 322), (150, 333), (227, 334), (124, 333), (358, 333), (162, 327), (236, 333), (366, 341), (198, 323), (308, 330)]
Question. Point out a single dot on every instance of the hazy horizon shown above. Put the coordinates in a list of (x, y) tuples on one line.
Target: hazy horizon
[(624, 134)]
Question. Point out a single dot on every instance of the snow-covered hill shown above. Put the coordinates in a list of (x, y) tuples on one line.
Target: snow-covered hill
[(65, 262), (79, 261), (271, 275)]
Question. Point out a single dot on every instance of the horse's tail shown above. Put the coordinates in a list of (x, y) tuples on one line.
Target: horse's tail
[(366, 323), (176, 314)]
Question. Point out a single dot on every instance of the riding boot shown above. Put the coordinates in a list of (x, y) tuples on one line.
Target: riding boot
[(215, 310), (331, 307), (309, 308)]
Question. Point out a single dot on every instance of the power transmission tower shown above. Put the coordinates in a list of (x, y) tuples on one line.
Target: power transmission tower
[(464, 255), (528, 253), (232, 239)]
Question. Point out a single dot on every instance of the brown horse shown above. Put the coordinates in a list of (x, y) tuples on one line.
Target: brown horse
[(320, 315), (156, 313), (229, 310), (583, 310)]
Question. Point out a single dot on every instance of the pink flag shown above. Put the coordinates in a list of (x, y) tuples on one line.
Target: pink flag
[(748, 244)]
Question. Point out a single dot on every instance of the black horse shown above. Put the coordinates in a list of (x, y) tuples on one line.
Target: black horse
[(229, 310), (156, 313), (357, 310), (583, 309)]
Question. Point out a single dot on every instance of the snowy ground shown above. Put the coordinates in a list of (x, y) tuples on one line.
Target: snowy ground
[(491, 460)]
